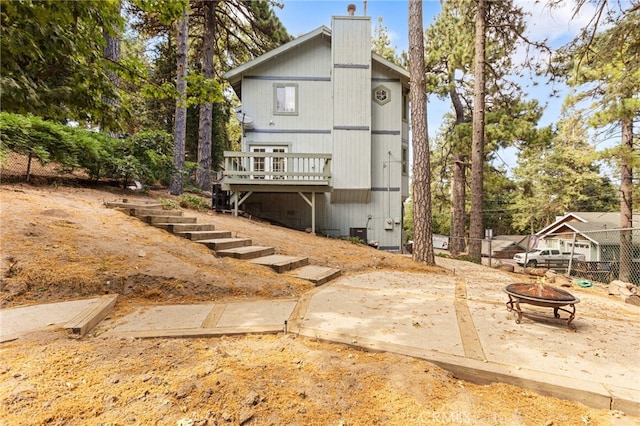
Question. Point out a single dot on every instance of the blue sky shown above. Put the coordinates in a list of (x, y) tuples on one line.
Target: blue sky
[(558, 26)]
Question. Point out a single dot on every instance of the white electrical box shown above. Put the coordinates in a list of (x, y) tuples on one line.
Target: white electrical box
[(388, 223)]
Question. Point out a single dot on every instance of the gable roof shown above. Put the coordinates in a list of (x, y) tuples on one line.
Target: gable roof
[(234, 76), (585, 223)]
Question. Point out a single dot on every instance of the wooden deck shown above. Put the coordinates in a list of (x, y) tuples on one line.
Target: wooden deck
[(276, 172)]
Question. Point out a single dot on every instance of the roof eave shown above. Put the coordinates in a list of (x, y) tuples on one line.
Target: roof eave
[(395, 68)]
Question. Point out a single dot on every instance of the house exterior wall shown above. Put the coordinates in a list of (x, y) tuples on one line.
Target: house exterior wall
[(310, 129), (336, 113)]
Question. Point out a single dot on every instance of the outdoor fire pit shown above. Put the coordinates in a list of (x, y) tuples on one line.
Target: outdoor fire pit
[(539, 294)]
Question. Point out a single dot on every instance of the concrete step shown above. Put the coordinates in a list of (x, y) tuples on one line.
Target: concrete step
[(318, 275), (168, 219), (280, 263), (204, 235), (246, 252), (138, 212), (189, 227), (226, 243)]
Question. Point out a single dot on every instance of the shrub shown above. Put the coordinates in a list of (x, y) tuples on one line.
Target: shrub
[(146, 156), (190, 201)]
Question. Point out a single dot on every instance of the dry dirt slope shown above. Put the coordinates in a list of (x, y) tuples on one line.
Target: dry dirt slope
[(60, 243)]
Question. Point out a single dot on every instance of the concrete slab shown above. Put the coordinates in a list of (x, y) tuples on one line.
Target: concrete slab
[(458, 321), (379, 308), (17, 321), (257, 313), (316, 274), (281, 263), (604, 351), (164, 318)]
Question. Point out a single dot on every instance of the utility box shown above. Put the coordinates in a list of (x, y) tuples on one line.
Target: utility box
[(388, 224), (358, 232)]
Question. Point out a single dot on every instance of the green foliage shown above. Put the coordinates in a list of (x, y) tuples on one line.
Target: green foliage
[(605, 69), (202, 90), (168, 204), (195, 202), (558, 173), (465, 258), (52, 60), (355, 240), (164, 11), (146, 156), (48, 141), (407, 220), (381, 45)]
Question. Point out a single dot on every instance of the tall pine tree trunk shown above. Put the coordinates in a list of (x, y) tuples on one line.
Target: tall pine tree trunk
[(422, 239), (458, 184), (476, 231), (626, 195), (203, 173), (458, 195), (180, 124)]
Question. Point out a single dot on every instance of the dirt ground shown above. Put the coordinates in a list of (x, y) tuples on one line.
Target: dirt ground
[(61, 242)]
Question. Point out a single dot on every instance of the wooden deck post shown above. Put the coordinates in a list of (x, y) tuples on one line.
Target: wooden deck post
[(312, 203)]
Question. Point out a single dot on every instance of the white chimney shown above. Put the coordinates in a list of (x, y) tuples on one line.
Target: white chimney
[(351, 9), (351, 85)]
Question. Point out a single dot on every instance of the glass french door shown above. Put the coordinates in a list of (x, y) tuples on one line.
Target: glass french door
[(268, 164)]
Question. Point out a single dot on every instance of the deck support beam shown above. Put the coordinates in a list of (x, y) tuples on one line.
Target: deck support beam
[(237, 202), (311, 203)]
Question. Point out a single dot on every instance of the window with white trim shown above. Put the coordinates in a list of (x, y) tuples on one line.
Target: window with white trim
[(285, 99)]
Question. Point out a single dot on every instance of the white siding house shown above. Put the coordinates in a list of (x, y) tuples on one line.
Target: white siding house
[(325, 140), (593, 234)]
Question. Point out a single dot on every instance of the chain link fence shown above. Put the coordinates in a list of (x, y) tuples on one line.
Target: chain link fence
[(601, 255), (16, 167)]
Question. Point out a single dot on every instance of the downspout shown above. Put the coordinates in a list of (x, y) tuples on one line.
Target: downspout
[(389, 184)]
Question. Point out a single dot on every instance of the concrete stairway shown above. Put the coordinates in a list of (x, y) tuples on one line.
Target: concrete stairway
[(223, 243)]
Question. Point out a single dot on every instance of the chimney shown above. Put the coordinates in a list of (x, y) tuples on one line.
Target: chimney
[(351, 85)]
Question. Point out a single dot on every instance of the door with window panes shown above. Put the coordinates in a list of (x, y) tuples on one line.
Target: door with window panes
[(268, 164)]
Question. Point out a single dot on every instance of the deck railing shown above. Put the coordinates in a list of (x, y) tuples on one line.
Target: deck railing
[(276, 168)]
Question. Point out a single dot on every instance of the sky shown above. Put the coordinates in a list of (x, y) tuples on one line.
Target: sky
[(558, 26)]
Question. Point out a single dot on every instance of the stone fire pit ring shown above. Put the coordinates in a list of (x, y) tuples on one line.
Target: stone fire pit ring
[(542, 295)]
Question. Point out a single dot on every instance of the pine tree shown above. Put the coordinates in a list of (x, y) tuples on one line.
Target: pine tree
[(422, 238)]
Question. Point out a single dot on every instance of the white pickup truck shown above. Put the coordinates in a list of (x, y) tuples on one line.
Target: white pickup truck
[(542, 257)]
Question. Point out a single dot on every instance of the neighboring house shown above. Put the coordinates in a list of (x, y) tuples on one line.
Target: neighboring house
[(325, 136), (588, 233)]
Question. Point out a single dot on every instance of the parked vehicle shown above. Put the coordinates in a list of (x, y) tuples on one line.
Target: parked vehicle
[(541, 257)]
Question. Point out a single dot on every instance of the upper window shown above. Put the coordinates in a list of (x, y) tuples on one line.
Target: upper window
[(405, 104), (381, 95), (285, 98), (405, 159)]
